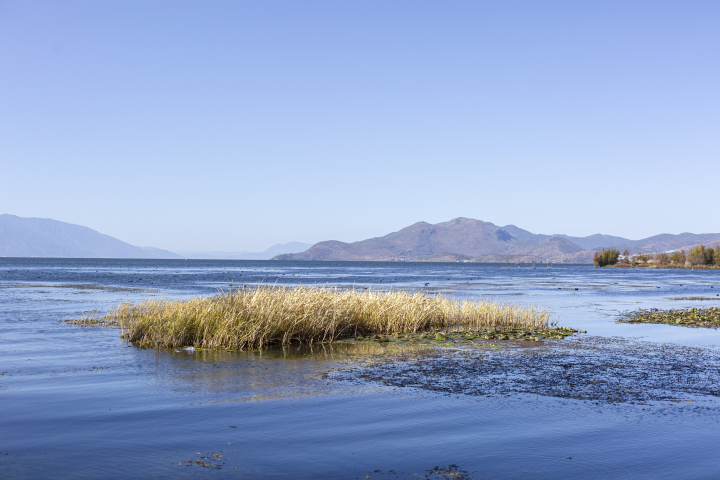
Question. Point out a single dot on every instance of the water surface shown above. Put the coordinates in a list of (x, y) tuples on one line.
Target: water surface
[(80, 402)]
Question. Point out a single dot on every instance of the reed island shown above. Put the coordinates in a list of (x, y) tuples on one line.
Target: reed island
[(259, 316)]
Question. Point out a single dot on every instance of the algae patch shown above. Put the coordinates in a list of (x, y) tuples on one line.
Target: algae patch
[(691, 317), (210, 460), (470, 336), (449, 472)]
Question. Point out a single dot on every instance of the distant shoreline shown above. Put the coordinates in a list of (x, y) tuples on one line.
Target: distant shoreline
[(679, 267)]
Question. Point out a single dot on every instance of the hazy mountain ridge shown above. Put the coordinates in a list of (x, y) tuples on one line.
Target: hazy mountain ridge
[(665, 242), (44, 237), (160, 253), (465, 239), (460, 239), (277, 249)]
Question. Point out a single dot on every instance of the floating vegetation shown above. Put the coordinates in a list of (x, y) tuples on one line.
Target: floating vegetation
[(450, 472), (93, 321), (694, 298), (210, 460), (467, 336), (265, 315), (594, 368), (691, 317)]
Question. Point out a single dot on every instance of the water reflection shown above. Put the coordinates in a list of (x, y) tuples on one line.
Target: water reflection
[(291, 371)]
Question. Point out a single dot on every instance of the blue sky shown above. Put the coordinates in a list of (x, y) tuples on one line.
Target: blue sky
[(237, 125)]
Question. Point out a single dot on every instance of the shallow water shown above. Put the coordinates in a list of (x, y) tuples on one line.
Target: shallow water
[(79, 402)]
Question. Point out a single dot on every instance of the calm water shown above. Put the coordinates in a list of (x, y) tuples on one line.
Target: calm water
[(79, 402)]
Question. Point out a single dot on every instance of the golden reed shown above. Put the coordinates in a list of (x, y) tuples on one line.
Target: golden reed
[(265, 315)]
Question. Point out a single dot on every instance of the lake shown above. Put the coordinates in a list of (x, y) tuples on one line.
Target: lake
[(80, 402)]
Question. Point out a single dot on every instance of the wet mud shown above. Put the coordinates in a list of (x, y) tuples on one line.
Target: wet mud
[(592, 369)]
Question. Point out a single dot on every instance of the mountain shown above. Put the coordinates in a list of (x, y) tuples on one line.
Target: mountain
[(466, 239), (43, 237), (280, 248), (212, 255), (462, 235), (160, 253), (524, 235), (597, 241), (290, 247), (549, 247), (666, 242)]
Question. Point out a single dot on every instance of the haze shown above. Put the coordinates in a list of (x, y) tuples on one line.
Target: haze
[(238, 125)]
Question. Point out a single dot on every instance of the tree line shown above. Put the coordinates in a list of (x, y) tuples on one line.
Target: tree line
[(698, 255)]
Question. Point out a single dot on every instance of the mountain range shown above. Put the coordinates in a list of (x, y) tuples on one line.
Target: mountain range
[(461, 239), (277, 249), (466, 239), (44, 237)]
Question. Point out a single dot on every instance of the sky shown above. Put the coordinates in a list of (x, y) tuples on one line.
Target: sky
[(237, 125)]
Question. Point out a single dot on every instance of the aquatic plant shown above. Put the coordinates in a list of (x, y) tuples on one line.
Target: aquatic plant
[(466, 336), (692, 317), (263, 315)]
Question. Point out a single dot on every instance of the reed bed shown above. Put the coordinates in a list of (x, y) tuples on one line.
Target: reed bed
[(265, 315)]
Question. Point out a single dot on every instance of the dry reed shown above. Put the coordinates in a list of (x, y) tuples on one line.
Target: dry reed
[(264, 315)]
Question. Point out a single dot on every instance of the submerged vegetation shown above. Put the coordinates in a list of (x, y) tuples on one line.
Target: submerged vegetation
[(265, 315), (692, 317)]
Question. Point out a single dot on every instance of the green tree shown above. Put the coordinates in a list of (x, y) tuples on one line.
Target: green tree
[(699, 255), (607, 257), (717, 255), (662, 258), (642, 257), (676, 258)]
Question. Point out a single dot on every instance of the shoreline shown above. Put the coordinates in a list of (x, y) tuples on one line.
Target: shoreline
[(676, 267)]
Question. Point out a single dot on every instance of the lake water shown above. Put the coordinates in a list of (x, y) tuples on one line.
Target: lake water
[(79, 402)]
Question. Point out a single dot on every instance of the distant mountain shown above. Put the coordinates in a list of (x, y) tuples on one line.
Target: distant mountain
[(43, 237), (466, 239), (597, 241), (212, 255), (550, 247), (280, 248), (666, 242), (290, 247), (523, 235), (160, 253)]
